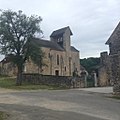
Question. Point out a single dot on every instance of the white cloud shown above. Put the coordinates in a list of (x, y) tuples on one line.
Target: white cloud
[(91, 21)]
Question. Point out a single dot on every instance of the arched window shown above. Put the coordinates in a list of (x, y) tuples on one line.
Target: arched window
[(65, 68)]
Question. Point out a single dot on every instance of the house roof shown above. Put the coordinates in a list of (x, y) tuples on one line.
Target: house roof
[(60, 32), (112, 37), (73, 49), (5, 60), (52, 45), (48, 44)]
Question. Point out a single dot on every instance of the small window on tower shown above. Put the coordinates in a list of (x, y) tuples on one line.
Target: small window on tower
[(60, 39), (57, 59)]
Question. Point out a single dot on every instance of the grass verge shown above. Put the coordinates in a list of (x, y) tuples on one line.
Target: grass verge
[(9, 83), (3, 115), (115, 97)]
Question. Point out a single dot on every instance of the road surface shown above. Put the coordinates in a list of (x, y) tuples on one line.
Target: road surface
[(59, 105)]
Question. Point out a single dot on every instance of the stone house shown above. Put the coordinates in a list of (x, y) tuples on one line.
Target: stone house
[(61, 58), (112, 61), (7, 68)]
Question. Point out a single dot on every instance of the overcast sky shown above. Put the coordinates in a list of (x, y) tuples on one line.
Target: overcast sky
[(91, 21)]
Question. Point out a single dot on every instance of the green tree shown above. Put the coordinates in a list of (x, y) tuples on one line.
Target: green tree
[(17, 33), (36, 57), (91, 64)]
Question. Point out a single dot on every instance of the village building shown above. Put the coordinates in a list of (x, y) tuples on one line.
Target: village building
[(111, 63), (61, 58)]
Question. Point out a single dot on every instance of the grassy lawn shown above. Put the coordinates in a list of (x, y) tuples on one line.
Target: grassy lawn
[(9, 83), (3, 115)]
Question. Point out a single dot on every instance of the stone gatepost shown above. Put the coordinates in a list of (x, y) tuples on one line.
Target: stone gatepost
[(84, 78), (95, 79)]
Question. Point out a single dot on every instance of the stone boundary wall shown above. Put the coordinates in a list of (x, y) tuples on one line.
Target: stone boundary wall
[(68, 81)]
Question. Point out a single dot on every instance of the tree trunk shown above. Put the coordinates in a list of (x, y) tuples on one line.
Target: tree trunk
[(19, 76)]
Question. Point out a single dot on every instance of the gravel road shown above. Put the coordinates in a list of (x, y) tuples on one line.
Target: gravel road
[(59, 105)]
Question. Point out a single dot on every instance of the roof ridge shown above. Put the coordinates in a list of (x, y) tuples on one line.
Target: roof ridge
[(114, 30), (62, 28), (60, 31)]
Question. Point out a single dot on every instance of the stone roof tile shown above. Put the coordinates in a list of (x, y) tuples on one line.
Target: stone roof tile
[(48, 44)]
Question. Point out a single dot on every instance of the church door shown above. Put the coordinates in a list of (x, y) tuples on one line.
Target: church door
[(57, 72)]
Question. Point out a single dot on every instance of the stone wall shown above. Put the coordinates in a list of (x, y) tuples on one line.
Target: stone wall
[(8, 69), (75, 62), (67, 81), (66, 66), (104, 71), (111, 66), (109, 71), (115, 65)]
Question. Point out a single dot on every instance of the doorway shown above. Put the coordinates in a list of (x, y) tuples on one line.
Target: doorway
[(57, 72)]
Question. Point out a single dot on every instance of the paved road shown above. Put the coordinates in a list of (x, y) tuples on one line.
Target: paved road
[(59, 105), (98, 89)]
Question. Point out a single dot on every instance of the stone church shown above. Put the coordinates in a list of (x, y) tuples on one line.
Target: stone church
[(110, 64), (61, 58)]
